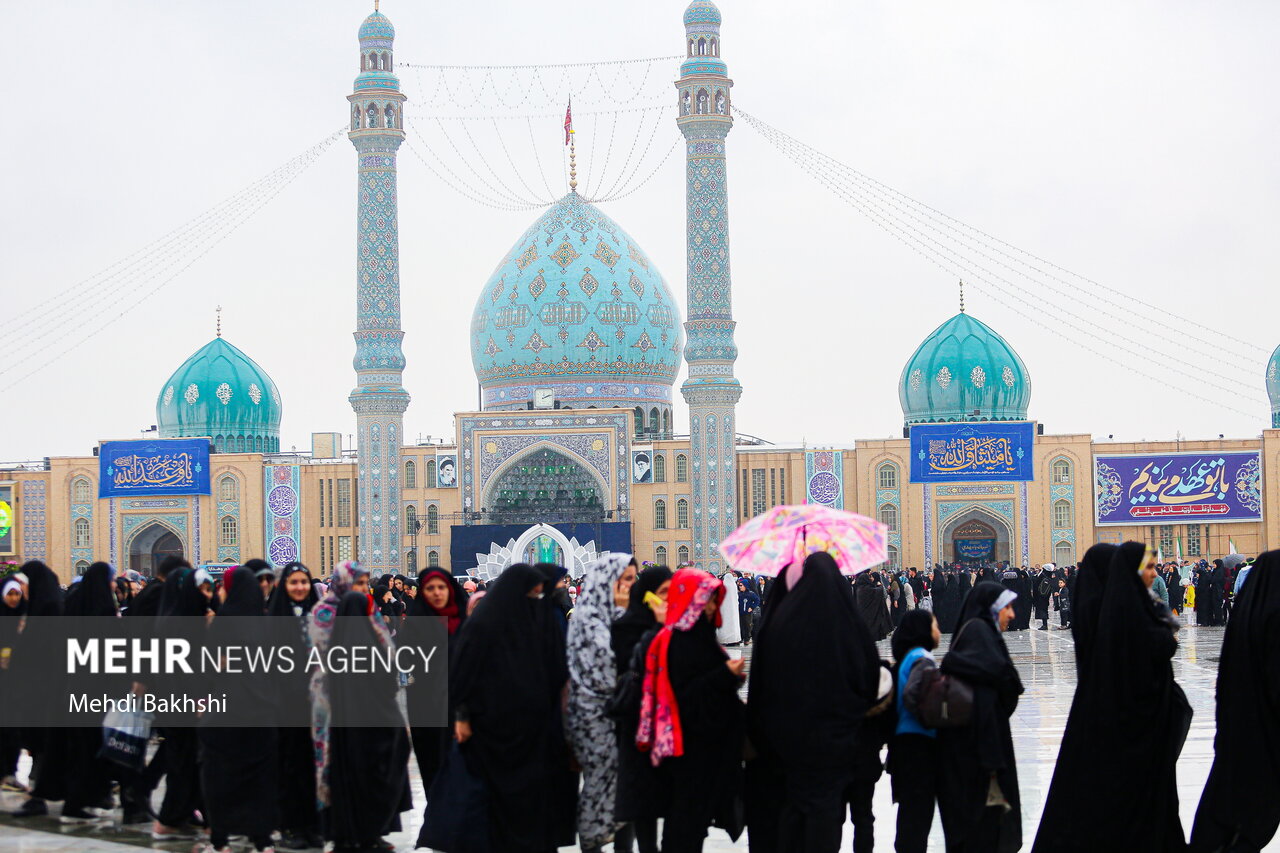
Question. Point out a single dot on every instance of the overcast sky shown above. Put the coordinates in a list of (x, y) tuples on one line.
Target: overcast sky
[(1134, 143)]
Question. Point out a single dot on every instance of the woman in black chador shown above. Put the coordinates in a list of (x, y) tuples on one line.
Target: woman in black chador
[(238, 765), (978, 775), (1076, 756), (505, 682), (1135, 720), (292, 599), (1240, 807), (642, 797), (804, 719), (872, 607)]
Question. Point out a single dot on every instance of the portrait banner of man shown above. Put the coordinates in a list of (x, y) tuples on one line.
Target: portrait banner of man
[(446, 471), (641, 467)]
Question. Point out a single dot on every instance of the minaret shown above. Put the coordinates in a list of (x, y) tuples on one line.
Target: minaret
[(710, 389), (379, 398)]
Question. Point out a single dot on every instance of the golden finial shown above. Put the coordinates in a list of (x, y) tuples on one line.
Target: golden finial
[(219, 321), (375, 5), (961, 296)]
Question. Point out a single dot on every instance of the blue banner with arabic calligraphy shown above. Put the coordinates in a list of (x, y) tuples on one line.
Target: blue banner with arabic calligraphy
[(166, 466), (973, 452), (1178, 488)]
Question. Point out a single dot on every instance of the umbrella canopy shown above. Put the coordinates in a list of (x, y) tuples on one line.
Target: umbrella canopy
[(770, 542), (1232, 561)]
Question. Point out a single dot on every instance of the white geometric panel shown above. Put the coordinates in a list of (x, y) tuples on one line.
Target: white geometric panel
[(577, 556)]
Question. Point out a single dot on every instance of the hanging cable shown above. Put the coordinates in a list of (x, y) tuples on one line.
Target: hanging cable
[(1034, 264)]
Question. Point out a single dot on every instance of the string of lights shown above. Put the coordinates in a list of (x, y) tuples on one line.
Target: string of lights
[(56, 317), (1035, 266), (78, 334), (455, 182), (61, 301), (954, 262)]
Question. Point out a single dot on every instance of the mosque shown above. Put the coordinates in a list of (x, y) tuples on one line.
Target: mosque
[(577, 341)]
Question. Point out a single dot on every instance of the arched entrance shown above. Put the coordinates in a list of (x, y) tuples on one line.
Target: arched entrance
[(150, 545), (545, 483), (976, 535)]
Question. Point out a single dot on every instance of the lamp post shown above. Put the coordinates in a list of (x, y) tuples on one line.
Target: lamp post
[(413, 564)]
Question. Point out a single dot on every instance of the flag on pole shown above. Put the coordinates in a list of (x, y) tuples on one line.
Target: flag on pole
[(1232, 543), (568, 121), (1160, 556), (1179, 552)]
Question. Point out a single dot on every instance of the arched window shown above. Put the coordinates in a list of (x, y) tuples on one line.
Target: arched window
[(702, 47), (411, 561), (433, 519), (80, 493), (703, 101), (1063, 517), (1061, 472), (382, 61), (371, 114), (410, 475), (888, 516), (433, 559), (682, 514), (660, 555), (654, 424), (659, 468), (429, 475), (715, 47), (355, 117), (390, 113), (682, 556), (682, 468), (83, 538), (639, 421), (659, 515), (691, 43), (229, 532), (82, 566), (410, 520), (893, 559), (1064, 554), (228, 489), (666, 424), (887, 476)]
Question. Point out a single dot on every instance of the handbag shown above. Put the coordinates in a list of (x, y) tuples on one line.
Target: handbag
[(125, 735), (457, 817), (945, 702)]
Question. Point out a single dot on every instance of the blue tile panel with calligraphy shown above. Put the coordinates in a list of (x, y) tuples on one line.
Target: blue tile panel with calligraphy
[(972, 452), (1178, 488), (177, 466)]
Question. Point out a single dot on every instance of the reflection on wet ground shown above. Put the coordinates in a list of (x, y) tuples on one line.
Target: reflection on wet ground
[(1046, 660)]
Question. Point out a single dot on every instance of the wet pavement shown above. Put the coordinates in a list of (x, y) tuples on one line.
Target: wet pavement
[(1046, 661)]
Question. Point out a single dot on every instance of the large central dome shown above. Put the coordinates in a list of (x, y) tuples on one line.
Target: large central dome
[(577, 307), (964, 371)]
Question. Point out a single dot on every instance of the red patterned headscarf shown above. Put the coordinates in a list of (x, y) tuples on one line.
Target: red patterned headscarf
[(659, 732)]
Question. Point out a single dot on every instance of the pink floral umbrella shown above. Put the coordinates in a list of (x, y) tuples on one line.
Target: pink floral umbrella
[(768, 543)]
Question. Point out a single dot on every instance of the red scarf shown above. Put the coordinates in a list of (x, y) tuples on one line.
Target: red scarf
[(450, 609), (660, 733)]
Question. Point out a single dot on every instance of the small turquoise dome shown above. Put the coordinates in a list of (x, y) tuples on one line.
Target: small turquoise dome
[(577, 307), (378, 27), (964, 371), (1273, 387), (222, 393), (702, 12)]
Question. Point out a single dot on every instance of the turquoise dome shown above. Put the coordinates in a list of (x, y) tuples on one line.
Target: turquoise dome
[(1273, 387), (964, 371), (702, 12), (577, 307), (378, 27), (222, 393)]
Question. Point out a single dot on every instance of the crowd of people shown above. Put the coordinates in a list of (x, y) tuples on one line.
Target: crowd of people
[(606, 710)]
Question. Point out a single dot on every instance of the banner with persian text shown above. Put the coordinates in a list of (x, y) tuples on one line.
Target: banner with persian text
[(1178, 488), (163, 466), (973, 452)]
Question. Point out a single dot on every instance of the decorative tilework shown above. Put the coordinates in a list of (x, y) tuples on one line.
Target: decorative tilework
[(222, 509), (928, 526), (1026, 524), (282, 514), (506, 436), (824, 478), (34, 532), (81, 510), (951, 489), (1061, 491), (711, 390), (166, 503), (380, 399), (946, 509)]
